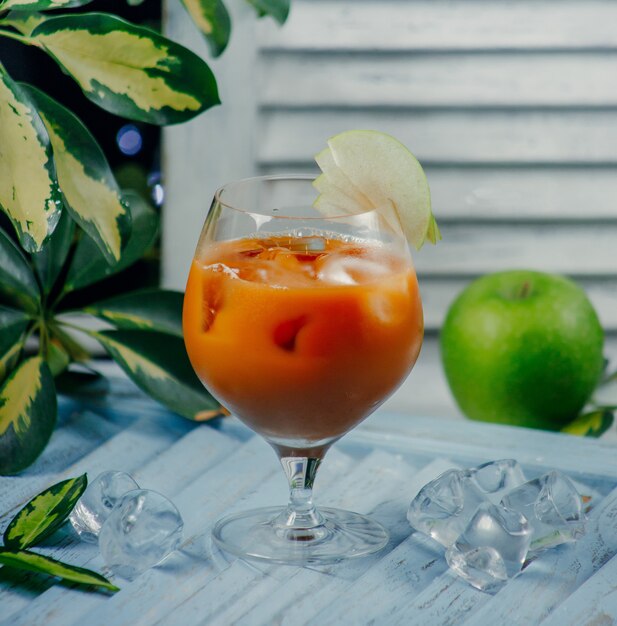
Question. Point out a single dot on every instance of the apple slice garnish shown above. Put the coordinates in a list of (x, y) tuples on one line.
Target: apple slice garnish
[(375, 171)]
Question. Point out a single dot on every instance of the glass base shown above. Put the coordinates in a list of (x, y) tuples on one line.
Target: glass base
[(258, 534)]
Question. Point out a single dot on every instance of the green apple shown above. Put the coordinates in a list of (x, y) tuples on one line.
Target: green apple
[(375, 171), (522, 347)]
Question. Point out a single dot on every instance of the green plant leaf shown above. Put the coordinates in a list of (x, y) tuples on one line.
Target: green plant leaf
[(28, 409), (591, 424), (50, 260), (278, 9), (32, 562), (158, 364), (17, 281), (89, 266), (40, 5), (90, 192), (13, 324), (57, 357), (29, 192), (129, 70), (146, 309), (212, 19), (44, 514), (23, 21)]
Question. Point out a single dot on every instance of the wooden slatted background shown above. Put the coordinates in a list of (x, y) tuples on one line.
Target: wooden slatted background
[(511, 105)]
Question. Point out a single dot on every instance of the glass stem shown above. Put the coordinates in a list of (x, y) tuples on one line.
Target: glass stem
[(301, 512)]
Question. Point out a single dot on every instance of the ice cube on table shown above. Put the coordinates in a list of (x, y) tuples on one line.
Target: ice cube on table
[(553, 507), (496, 478), (443, 507), (492, 548), (97, 502), (142, 530)]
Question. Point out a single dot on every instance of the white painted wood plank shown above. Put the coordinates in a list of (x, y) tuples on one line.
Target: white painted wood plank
[(445, 24), (448, 600), (243, 479), (557, 573), (583, 250), (461, 80), (530, 194), (374, 480), (439, 293), (128, 450), (307, 591), (594, 602), (467, 137), (168, 473)]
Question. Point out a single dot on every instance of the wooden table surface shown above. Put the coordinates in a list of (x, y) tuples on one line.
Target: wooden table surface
[(209, 470)]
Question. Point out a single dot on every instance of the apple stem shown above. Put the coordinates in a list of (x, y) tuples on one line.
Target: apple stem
[(524, 290)]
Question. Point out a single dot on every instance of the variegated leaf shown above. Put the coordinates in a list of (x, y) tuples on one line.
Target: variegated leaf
[(29, 192), (17, 281), (593, 424), (147, 309), (28, 409), (33, 562), (44, 514), (88, 186), (212, 19), (50, 260), (159, 365), (13, 323), (23, 21), (278, 9), (40, 5), (89, 265), (129, 70)]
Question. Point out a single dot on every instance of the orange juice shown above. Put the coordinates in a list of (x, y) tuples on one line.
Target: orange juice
[(301, 337)]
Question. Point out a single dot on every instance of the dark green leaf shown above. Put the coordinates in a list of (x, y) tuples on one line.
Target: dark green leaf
[(32, 562), (44, 514), (278, 9), (147, 309), (591, 424), (23, 21), (49, 261), (159, 365), (40, 5), (13, 324), (89, 189), (29, 192), (17, 281), (89, 266), (28, 409), (129, 70), (212, 19)]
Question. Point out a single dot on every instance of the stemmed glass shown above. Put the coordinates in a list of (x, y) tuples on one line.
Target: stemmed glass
[(301, 324)]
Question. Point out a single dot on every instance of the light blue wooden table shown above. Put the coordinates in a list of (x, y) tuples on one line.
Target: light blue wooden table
[(209, 470)]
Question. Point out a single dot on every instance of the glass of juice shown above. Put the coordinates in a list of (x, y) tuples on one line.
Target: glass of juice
[(301, 324)]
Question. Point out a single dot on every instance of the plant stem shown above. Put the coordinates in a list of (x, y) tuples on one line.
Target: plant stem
[(11, 35)]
